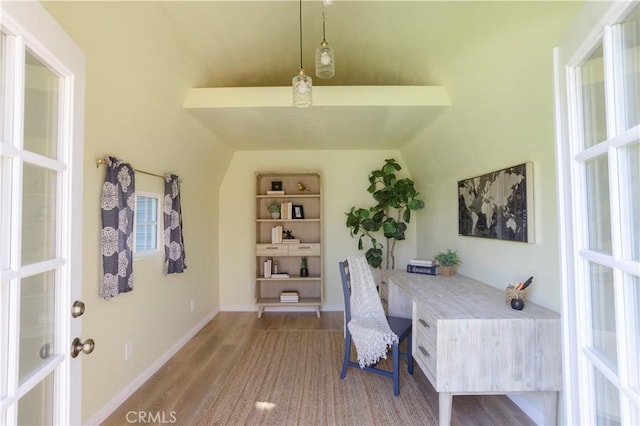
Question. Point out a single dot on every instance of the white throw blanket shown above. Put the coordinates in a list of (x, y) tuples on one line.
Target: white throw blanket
[(368, 326)]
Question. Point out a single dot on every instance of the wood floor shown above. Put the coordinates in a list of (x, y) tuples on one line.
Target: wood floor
[(184, 387)]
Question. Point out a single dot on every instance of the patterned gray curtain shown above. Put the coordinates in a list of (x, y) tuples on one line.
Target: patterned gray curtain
[(118, 205), (174, 256)]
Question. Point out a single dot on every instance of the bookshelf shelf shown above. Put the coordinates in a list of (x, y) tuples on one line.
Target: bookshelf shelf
[(287, 220), (301, 189), (275, 301), (291, 278), (288, 196)]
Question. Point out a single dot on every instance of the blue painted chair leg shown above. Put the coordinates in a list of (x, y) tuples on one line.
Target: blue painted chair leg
[(396, 370), (347, 355)]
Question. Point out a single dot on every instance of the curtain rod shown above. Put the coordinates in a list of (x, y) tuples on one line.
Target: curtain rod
[(104, 161)]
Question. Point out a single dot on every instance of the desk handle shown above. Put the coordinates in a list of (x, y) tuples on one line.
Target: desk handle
[(424, 351), (424, 323)]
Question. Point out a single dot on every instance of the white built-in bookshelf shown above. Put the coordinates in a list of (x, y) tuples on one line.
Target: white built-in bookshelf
[(301, 214)]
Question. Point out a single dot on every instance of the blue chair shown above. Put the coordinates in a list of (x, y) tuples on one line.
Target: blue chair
[(400, 326)]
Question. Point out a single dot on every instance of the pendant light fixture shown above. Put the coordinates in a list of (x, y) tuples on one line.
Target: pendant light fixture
[(325, 63), (301, 82)]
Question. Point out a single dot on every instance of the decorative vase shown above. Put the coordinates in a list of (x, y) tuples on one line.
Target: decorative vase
[(275, 215), (517, 304), (304, 272)]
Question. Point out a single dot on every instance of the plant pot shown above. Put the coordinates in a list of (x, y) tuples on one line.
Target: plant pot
[(447, 270), (304, 272), (275, 215)]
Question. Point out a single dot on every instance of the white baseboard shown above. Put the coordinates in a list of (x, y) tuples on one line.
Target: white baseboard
[(238, 308), (102, 414), (254, 308)]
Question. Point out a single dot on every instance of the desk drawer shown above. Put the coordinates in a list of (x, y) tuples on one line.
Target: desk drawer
[(310, 249), (425, 330), (271, 250), (425, 354), (425, 323)]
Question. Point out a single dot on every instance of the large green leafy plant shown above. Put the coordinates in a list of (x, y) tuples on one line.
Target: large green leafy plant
[(396, 199)]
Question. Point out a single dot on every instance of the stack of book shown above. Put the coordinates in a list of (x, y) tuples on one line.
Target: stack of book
[(266, 268), (276, 234), (291, 240), (419, 266), (289, 297), (279, 275), (274, 192), (286, 210)]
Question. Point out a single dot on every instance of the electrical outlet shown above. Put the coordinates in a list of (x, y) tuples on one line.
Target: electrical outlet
[(128, 350), (193, 305)]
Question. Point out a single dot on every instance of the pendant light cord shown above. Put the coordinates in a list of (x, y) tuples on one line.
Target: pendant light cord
[(301, 34), (323, 36)]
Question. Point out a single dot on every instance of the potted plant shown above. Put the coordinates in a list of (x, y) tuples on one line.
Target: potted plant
[(448, 261), (396, 198), (274, 208), (304, 271)]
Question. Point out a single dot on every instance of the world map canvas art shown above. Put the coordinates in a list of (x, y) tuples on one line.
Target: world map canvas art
[(498, 204)]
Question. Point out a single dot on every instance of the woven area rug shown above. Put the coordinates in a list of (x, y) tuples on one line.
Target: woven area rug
[(293, 378)]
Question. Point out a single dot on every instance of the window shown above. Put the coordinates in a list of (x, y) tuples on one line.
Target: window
[(598, 146), (147, 234)]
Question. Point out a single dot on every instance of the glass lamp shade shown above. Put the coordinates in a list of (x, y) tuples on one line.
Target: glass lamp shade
[(325, 63), (301, 90)]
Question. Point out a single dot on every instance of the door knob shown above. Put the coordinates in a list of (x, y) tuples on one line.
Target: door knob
[(77, 346), (77, 309)]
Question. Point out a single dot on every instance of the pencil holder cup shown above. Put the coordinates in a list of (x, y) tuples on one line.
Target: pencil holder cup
[(512, 293)]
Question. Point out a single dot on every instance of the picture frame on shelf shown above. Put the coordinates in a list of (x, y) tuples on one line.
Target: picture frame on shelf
[(276, 185), (298, 211)]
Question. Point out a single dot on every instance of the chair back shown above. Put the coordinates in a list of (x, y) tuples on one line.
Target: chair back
[(346, 289)]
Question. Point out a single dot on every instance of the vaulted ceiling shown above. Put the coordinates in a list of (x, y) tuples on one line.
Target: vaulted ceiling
[(255, 44)]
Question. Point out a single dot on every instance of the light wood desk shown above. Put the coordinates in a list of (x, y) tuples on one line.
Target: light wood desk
[(467, 340)]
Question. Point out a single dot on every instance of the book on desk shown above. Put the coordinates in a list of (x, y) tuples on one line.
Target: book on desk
[(427, 270)]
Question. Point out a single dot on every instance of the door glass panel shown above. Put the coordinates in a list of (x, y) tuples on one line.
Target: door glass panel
[(4, 338), (598, 208), (631, 68), (41, 107), (38, 214), (37, 313), (630, 162), (3, 63), (632, 309), (607, 400), (36, 406), (5, 213), (593, 103), (603, 320)]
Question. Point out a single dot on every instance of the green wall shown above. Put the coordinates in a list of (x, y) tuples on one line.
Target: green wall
[(134, 112), (501, 115)]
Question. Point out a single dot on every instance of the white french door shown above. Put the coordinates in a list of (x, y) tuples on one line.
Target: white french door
[(597, 73), (41, 136)]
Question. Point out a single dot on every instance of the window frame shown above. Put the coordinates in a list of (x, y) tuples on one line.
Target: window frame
[(159, 227)]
